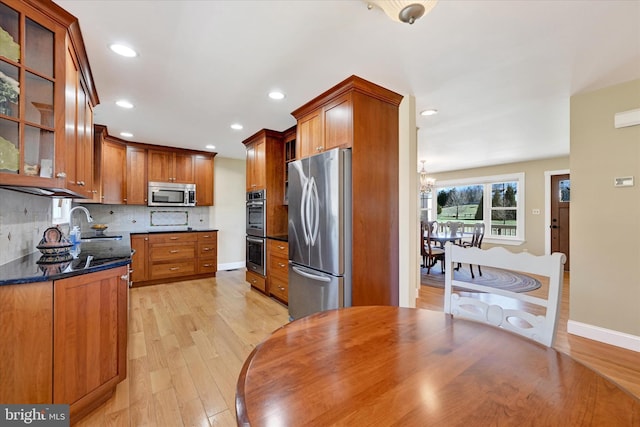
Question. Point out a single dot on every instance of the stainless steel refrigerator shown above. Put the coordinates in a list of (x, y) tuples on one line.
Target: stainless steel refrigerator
[(320, 233)]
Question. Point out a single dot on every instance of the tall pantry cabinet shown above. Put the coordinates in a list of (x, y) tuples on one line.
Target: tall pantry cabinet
[(363, 116)]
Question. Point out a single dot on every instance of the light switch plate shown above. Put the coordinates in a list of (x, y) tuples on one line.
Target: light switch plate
[(625, 181)]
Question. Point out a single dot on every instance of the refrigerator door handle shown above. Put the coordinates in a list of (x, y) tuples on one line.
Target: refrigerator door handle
[(310, 276), (303, 212), (314, 207)]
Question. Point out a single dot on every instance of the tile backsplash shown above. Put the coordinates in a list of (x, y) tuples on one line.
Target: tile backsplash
[(23, 219)]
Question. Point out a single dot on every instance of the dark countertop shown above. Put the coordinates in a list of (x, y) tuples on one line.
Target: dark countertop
[(173, 230), (94, 256), (281, 237)]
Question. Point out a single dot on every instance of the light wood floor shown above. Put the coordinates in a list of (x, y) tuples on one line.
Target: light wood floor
[(188, 341)]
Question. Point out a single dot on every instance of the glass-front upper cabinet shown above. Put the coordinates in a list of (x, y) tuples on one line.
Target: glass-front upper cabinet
[(27, 93)]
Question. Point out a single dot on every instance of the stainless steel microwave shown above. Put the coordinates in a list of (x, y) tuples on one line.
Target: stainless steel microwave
[(171, 194)]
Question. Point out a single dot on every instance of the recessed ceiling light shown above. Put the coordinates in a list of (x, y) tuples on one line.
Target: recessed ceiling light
[(236, 126), (428, 112), (276, 95), (126, 134), (124, 103), (123, 50), (210, 147)]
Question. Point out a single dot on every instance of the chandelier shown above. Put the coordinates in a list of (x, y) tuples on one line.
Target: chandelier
[(426, 183), (404, 10)]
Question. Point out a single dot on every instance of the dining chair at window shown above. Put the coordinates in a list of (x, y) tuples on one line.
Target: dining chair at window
[(533, 317), (430, 255), (476, 242), (455, 228)]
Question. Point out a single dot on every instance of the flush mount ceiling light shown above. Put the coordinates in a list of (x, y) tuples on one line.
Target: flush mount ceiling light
[(124, 103), (123, 50), (210, 147), (126, 134), (403, 10), (276, 95), (428, 112), (236, 126)]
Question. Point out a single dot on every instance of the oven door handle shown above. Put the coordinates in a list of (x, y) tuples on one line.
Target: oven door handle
[(254, 240), (254, 204)]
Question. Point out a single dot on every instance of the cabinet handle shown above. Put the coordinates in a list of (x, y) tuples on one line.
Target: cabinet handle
[(174, 268), (280, 247), (173, 251), (81, 183), (206, 249), (146, 238), (206, 236), (95, 191), (282, 265), (318, 149), (61, 175), (173, 238), (124, 277), (207, 265), (124, 200), (281, 288)]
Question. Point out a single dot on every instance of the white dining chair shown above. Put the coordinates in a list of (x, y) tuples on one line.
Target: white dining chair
[(517, 312)]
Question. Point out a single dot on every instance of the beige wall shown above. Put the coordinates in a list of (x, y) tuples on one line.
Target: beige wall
[(605, 220), (228, 213), (534, 179)]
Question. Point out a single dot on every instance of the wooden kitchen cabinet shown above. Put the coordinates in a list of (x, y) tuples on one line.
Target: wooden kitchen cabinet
[(46, 121), (90, 338), (139, 244), (327, 127), (256, 165), (310, 138), (265, 170), (26, 357), (170, 166), (278, 269), (114, 172), (256, 280), (136, 176), (204, 180), (207, 252), (170, 257)]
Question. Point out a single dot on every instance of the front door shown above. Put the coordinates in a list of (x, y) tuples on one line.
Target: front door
[(560, 201)]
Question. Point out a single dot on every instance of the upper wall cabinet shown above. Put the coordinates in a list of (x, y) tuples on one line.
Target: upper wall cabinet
[(204, 180), (170, 166), (46, 100)]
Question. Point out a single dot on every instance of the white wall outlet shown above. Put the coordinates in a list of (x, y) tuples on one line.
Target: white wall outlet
[(535, 211), (625, 181)]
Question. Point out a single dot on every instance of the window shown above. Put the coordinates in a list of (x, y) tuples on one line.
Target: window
[(498, 201), (60, 211), (426, 213)]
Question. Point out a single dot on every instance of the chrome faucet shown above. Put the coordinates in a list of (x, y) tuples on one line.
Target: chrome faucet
[(82, 208)]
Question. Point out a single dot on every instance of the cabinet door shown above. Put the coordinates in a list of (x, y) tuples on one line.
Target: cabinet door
[(90, 334), (183, 168), (260, 166), (338, 123), (251, 159), (136, 176), (139, 243), (204, 180), (27, 341), (114, 181), (160, 166), (310, 138)]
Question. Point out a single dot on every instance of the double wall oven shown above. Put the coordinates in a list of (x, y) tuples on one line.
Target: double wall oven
[(256, 231)]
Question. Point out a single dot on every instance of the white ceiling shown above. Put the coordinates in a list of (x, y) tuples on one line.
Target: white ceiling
[(500, 72)]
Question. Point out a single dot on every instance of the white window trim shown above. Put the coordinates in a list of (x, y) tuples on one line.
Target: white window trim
[(60, 216), (519, 239)]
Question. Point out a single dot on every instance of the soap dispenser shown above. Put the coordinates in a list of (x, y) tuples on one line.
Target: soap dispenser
[(75, 235)]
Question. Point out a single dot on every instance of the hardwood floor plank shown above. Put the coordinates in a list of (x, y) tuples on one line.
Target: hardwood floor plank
[(165, 405), (223, 419), (193, 414)]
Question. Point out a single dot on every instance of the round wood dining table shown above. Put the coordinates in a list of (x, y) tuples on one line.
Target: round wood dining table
[(386, 366)]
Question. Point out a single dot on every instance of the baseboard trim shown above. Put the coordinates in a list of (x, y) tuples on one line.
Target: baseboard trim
[(607, 336), (231, 265)]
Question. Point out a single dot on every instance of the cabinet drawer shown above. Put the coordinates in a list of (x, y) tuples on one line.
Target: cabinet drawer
[(208, 265), (279, 289), (256, 281), (169, 252), (278, 267), (183, 268), (207, 236), (172, 237), (279, 247), (206, 250)]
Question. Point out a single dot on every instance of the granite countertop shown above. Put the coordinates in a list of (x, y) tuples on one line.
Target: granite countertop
[(173, 230), (92, 256)]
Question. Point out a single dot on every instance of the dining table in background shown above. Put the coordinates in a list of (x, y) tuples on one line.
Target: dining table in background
[(443, 237), (388, 366)]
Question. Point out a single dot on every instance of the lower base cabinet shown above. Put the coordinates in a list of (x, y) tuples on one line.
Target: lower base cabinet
[(278, 269), (256, 280), (64, 341)]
